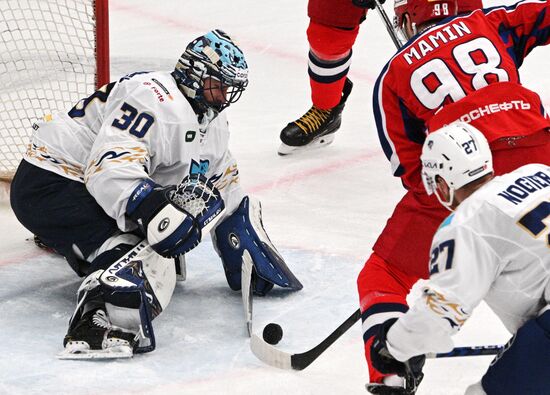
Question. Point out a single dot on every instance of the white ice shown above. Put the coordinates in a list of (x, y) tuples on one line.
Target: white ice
[(322, 209)]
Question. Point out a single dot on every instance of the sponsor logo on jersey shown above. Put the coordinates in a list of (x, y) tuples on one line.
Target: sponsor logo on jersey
[(166, 91), (155, 90)]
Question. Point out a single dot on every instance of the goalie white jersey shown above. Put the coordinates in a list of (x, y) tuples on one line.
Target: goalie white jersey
[(495, 247), (138, 127)]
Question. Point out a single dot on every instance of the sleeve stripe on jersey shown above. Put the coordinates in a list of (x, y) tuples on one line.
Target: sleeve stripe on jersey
[(380, 119), (523, 44), (510, 8), (379, 313)]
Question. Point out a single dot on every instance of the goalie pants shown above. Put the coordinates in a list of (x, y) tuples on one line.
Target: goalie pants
[(61, 212), (401, 254)]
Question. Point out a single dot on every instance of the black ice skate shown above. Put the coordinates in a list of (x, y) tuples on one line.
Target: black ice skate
[(381, 389), (315, 128), (94, 337)]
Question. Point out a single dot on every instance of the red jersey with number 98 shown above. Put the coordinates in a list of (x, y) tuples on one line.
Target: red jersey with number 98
[(446, 63)]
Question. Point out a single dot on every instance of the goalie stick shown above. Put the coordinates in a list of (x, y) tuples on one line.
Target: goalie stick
[(299, 361), (246, 289)]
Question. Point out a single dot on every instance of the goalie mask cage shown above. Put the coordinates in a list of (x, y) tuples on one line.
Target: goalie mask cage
[(52, 54)]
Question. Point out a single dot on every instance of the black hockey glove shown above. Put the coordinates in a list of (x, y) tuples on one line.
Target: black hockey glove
[(366, 3), (384, 362)]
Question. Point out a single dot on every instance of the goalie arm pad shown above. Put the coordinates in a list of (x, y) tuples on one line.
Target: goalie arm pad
[(243, 230), (174, 218)]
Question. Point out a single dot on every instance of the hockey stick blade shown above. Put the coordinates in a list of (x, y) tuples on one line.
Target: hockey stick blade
[(246, 289), (280, 359)]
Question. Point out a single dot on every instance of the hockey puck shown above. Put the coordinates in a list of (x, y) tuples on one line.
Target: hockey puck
[(273, 333)]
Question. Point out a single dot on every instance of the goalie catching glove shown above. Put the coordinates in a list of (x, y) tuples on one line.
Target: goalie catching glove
[(173, 218), (244, 230)]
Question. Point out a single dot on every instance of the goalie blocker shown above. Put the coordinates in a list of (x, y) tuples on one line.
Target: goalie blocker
[(244, 230)]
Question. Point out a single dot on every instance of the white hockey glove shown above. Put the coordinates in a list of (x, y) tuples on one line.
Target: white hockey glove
[(173, 218)]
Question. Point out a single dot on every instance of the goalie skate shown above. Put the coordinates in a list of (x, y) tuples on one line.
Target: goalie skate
[(95, 338)]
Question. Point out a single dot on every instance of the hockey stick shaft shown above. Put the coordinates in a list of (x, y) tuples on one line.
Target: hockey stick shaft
[(302, 361), (389, 25), (468, 351), (299, 361), (246, 289)]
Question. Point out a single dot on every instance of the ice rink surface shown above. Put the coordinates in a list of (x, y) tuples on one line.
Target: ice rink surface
[(322, 209)]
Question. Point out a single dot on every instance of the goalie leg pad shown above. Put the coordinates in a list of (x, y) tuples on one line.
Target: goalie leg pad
[(136, 290), (133, 290), (522, 367), (243, 230)]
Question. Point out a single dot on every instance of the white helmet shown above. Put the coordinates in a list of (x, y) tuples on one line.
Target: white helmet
[(459, 153)]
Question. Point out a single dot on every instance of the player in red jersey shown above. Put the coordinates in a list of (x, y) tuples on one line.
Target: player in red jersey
[(465, 68), (332, 30)]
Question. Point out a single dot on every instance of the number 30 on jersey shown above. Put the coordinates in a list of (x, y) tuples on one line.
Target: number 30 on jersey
[(140, 121)]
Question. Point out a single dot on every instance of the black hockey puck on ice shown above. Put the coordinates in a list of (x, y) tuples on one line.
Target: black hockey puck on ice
[(273, 333)]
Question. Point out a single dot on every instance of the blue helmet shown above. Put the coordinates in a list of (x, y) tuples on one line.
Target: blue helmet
[(213, 55)]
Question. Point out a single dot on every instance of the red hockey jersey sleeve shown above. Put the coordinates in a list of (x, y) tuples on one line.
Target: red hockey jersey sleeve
[(522, 26), (446, 63)]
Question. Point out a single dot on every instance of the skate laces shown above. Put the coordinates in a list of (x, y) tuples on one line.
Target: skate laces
[(312, 120)]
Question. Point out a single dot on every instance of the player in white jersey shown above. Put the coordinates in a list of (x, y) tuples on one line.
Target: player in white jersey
[(495, 246), (131, 178)]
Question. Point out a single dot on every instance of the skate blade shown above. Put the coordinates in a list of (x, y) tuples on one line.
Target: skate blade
[(85, 353), (315, 144)]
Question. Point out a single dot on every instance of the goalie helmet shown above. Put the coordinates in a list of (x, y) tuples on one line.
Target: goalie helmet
[(459, 153), (217, 56), (422, 11)]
